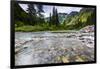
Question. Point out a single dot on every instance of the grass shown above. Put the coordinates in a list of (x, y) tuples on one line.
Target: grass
[(35, 28), (52, 28), (29, 28)]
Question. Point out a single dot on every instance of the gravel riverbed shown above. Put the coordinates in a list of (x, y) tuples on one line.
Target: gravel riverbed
[(48, 47)]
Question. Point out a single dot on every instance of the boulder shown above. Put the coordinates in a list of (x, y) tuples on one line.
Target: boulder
[(87, 29)]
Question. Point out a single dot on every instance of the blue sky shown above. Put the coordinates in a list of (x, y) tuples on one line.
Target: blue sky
[(48, 9)]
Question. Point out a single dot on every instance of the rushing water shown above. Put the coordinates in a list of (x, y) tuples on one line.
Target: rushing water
[(47, 47)]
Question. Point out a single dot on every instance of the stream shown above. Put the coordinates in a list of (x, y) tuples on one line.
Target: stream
[(49, 47)]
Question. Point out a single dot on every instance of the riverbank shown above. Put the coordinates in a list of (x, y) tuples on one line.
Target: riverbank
[(28, 28), (48, 47), (54, 29)]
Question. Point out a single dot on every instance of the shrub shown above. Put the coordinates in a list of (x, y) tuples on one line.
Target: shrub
[(19, 23)]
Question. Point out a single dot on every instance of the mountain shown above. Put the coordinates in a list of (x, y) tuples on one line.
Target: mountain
[(78, 20), (61, 16), (73, 13), (70, 17)]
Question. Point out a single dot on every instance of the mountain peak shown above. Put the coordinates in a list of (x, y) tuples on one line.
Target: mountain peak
[(73, 13)]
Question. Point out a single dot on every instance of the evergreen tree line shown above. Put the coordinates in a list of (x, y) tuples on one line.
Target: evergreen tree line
[(34, 20), (34, 16), (54, 19)]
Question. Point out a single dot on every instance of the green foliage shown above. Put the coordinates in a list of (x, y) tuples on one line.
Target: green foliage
[(19, 24), (54, 19), (20, 15), (85, 17), (35, 21), (44, 27), (29, 28)]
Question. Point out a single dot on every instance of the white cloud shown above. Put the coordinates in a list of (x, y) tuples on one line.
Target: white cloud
[(24, 7), (61, 9), (48, 9)]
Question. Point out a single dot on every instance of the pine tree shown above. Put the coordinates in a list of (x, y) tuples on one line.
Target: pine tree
[(54, 18), (57, 19), (40, 9), (40, 16), (32, 13), (50, 20), (35, 14)]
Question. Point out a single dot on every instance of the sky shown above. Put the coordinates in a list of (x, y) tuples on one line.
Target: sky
[(48, 9)]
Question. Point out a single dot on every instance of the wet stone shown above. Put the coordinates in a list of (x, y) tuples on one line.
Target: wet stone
[(46, 48)]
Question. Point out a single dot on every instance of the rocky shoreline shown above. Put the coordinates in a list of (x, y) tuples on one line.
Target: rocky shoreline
[(47, 47)]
